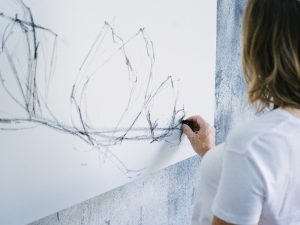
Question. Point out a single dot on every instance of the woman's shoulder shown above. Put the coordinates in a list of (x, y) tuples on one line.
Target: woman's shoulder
[(248, 133)]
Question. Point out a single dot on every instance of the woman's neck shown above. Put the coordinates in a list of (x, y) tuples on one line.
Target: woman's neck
[(295, 112)]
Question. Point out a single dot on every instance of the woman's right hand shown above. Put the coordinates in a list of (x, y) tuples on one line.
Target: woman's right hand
[(202, 137)]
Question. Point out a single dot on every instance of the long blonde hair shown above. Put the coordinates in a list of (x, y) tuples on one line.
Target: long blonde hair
[(271, 53)]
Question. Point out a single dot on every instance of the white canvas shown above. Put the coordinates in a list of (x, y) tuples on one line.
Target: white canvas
[(92, 94)]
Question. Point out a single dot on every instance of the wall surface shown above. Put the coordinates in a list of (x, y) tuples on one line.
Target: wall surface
[(167, 197)]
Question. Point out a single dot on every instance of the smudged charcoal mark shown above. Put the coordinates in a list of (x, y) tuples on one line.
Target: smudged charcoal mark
[(5, 121), (107, 222), (25, 24), (38, 112), (57, 216)]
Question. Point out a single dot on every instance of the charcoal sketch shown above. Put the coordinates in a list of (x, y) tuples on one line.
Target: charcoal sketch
[(21, 83)]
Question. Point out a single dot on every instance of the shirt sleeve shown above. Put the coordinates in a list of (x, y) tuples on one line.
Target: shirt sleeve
[(240, 193)]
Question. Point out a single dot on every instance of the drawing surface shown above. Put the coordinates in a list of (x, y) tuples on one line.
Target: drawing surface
[(93, 93)]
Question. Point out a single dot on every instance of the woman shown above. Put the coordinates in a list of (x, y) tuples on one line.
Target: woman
[(254, 177)]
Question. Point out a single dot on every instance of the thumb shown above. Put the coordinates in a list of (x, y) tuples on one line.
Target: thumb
[(187, 130)]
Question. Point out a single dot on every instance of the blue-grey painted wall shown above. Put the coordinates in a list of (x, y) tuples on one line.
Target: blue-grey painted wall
[(167, 197)]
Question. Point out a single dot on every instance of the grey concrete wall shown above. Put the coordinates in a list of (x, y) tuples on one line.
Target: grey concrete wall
[(231, 104), (167, 197)]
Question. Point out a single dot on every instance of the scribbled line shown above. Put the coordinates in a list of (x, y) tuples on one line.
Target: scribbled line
[(36, 110)]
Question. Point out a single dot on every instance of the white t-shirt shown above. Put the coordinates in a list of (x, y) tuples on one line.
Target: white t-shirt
[(254, 177)]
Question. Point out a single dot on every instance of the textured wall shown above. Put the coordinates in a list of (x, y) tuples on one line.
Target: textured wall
[(231, 104), (167, 197), (163, 198)]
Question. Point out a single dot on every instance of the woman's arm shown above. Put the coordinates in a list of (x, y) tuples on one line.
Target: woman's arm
[(218, 221)]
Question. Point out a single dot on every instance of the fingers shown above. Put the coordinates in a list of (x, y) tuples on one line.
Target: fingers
[(198, 123), (187, 130), (198, 120)]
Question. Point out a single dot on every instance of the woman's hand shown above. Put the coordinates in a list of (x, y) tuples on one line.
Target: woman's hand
[(201, 135)]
